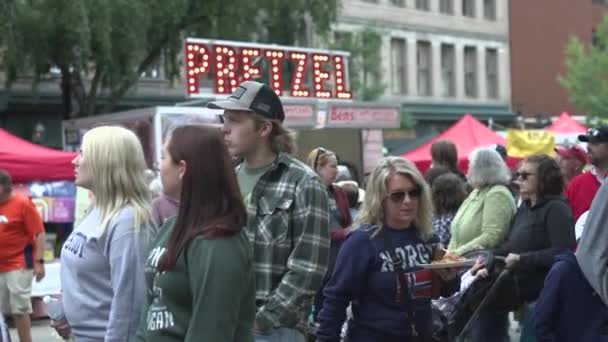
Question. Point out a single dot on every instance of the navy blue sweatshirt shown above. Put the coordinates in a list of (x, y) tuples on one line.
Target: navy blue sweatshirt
[(568, 310), (364, 277)]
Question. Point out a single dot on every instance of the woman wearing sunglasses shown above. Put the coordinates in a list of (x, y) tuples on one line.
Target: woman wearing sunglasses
[(377, 268), (542, 228), (325, 164)]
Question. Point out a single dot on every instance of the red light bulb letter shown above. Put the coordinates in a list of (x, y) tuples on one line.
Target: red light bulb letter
[(297, 89), (225, 70), (276, 70), (250, 71), (320, 75), (340, 69), (198, 61)]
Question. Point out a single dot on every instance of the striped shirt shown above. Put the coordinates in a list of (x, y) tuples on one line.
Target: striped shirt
[(288, 225)]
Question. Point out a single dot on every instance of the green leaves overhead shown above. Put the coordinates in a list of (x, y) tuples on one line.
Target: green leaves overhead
[(365, 69), (111, 42), (587, 73)]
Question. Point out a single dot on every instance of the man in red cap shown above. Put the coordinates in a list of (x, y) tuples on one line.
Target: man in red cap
[(582, 188), (572, 160)]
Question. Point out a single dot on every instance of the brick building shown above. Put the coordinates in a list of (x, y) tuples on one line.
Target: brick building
[(539, 33)]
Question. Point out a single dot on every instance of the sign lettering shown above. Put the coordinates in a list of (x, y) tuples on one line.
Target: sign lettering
[(230, 63)]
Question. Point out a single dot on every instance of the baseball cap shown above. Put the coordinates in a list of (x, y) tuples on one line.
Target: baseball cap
[(595, 135), (251, 96), (572, 152), (501, 150)]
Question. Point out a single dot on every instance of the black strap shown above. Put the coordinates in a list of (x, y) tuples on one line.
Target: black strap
[(403, 290)]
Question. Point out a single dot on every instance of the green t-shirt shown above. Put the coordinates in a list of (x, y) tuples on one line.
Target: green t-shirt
[(208, 296), (248, 177)]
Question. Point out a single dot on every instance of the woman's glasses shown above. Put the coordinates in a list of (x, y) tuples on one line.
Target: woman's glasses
[(399, 196), (523, 175)]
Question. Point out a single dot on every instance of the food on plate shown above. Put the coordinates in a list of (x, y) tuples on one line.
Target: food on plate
[(449, 258)]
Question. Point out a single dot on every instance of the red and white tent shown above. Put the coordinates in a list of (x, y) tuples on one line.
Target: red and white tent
[(566, 129), (468, 134), (27, 162)]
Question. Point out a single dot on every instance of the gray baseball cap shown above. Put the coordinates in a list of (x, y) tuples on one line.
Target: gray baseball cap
[(251, 96)]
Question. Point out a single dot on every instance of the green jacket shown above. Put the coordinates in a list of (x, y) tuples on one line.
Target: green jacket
[(483, 220), (208, 296), (288, 225)]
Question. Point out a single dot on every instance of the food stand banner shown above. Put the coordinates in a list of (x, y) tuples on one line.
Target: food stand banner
[(524, 143), (300, 115), (368, 116)]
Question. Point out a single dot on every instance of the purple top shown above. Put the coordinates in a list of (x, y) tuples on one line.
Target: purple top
[(163, 208)]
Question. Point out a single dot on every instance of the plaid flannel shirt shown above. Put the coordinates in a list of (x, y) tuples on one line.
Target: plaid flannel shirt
[(288, 225)]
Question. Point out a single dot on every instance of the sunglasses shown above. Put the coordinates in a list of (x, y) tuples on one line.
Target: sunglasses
[(523, 175), (320, 151), (399, 196)]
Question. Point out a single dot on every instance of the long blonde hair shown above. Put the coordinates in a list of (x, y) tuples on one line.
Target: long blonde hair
[(372, 211), (116, 161)]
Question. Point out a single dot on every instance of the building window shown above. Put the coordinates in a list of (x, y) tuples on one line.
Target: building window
[(489, 9), (423, 5), (470, 72), (492, 73), (468, 8), (446, 7), (372, 1), (423, 60), (448, 64), (398, 66), (399, 3)]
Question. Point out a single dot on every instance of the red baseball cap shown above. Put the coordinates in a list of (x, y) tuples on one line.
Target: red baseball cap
[(572, 152)]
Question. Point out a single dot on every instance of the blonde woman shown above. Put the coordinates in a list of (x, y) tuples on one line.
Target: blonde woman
[(377, 267), (102, 261)]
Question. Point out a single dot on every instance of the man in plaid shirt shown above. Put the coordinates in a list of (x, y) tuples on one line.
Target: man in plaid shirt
[(288, 211)]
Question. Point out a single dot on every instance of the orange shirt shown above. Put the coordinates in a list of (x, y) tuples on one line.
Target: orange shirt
[(20, 223)]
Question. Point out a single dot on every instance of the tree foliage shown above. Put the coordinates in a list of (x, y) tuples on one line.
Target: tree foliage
[(365, 69), (587, 73), (103, 46)]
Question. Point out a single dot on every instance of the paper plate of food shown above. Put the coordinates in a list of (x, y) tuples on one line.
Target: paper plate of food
[(449, 261)]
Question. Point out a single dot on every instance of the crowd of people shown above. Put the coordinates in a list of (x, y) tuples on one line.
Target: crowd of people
[(272, 249)]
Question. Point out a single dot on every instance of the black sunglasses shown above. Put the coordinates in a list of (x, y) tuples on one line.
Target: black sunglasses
[(320, 151), (399, 196), (523, 175)]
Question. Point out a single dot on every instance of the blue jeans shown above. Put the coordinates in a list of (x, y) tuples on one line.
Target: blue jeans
[(281, 335)]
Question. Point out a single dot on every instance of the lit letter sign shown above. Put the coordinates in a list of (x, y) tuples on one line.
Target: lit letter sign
[(230, 63)]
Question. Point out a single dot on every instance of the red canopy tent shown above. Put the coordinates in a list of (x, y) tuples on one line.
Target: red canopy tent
[(468, 134), (567, 125), (28, 162)]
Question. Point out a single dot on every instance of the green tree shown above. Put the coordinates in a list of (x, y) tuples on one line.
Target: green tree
[(587, 73), (103, 46), (365, 67)]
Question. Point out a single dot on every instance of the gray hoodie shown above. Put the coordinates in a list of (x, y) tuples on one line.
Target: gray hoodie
[(102, 277), (592, 254)]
